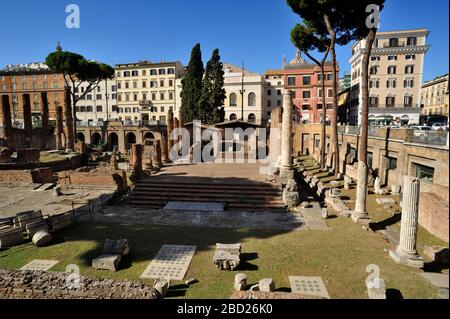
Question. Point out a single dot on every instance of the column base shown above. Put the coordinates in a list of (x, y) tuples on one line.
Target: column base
[(286, 173), (412, 260), (360, 217)]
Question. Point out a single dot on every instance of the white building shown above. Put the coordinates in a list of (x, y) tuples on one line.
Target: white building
[(274, 86), (99, 105), (249, 105)]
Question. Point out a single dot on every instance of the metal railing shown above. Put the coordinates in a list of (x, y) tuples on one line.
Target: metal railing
[(429, 137)]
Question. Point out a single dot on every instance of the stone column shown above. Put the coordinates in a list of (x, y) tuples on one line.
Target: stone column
[(406, 252), (28, 124), (6, 120), (113, 163), (45, 115), (286, 171), (136, 153), (164, 151), (59, 127), (360, 211), (181, 120)]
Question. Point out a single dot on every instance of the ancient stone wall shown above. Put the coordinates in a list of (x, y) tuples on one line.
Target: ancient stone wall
[(16, 284), (103, 176), (40, 175), (434, 214)]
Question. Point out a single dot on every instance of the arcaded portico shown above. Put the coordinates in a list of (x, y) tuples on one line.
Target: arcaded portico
[(117, 134)]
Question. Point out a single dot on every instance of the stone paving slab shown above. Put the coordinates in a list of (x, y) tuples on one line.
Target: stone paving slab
[(309, 286), (171, 262), (436, 279), (195, 206), (40, 264)]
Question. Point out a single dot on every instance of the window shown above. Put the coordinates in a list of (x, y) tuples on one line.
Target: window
[(233, 99), (135, 96), (269, 103), (162, 71), (410, 57), (89, 108), (375, 58), (161, 83), (269, 92), (320, 92), (278, 102), (390, 101), (374, 70), (319, 106), (170, 83), (305, 107), (278, 92), (118, 74), (393, 42), (134, 73), (252, 99), (329, 106), (392, 69), (89, 97), (170, 95), (99, 108), (127, 85), (144, 72), (144, 84), (373, 101), (127, 97), (153, 84), (4, 87), (44, 84), (55, 84), (319, 77), (330, 92), (119, 97), (411, 41), (171, 71), (24, 86), (114, 96), (161, 96), (135, 110), (126, 73), (306, 94), (374, 83), (119, 85), (409, 69), (369, 159), (135, 85), (153, 72), (392, 58), (408, 100), (329, 76), (424, 173), (98, 97), (153, 96), (291, 81), (391, 163), (391, 83), (409, 83), (144, 96), (113, 88), (306, 80)]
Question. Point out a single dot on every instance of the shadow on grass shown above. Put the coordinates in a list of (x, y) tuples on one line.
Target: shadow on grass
[(393, 294), (434, 266), (385, 223)]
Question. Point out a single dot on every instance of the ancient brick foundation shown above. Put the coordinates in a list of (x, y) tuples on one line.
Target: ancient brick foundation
[(40, 175), (433, 215), (103, 176), (16, 284)]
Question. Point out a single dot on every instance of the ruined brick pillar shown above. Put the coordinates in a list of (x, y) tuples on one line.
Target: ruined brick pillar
[(28, 124), (156, 154), (69, 119), (164, 150), (6, 120), (59, 127), (113, 163), (45, 115), (136, 153), (181, 122), (169, 124)]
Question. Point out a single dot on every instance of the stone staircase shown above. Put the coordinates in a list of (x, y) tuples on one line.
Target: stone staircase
[(236, 196)]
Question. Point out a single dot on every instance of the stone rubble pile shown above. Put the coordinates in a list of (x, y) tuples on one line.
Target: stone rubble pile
[(227, 256), (112, 254)]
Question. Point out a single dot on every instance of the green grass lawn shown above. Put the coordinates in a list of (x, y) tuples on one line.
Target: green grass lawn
[(339, 256)]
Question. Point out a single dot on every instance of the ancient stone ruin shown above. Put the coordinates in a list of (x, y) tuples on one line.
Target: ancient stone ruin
[(227, 256)]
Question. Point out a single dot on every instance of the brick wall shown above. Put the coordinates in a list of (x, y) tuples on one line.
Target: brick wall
[(433, 215)]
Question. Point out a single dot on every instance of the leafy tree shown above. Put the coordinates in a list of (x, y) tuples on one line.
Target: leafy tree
[(307, 39), (192, 86), (213, 93), (76, 70)]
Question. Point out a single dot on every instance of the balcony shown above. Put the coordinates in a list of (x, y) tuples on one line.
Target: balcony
[(398, 44)]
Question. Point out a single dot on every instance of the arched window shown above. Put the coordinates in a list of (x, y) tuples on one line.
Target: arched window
[(252, 99), (251, 118), (233, 99), (233, 117)]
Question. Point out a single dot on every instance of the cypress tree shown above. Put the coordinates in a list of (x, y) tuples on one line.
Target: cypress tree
[(192, 86)]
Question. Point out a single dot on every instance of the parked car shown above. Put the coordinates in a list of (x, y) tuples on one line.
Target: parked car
[(420, 131), (438, 126)]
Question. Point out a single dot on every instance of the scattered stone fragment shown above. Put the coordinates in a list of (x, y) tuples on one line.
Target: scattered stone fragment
[(266, 285), (227, 256), (57, 191), (324, 212), (385, 201), (376, 288), (41, 238), (119, 246), (162, 286), (191, 281), (107, 262), (10, 237), (254, 287), (240, 281)]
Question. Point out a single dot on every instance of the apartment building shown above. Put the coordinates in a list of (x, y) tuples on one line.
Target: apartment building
[(304, 79), (244, 92), (274, 86), (396, 68), (434, 99), (99, 105), (146, 90), (32, 79)]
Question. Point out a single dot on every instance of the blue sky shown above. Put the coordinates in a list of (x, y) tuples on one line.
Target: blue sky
[(256, 31)]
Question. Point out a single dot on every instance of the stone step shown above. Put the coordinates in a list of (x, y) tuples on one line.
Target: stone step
[(229, 207), (196, 185), (208, 192), (274, 201)]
